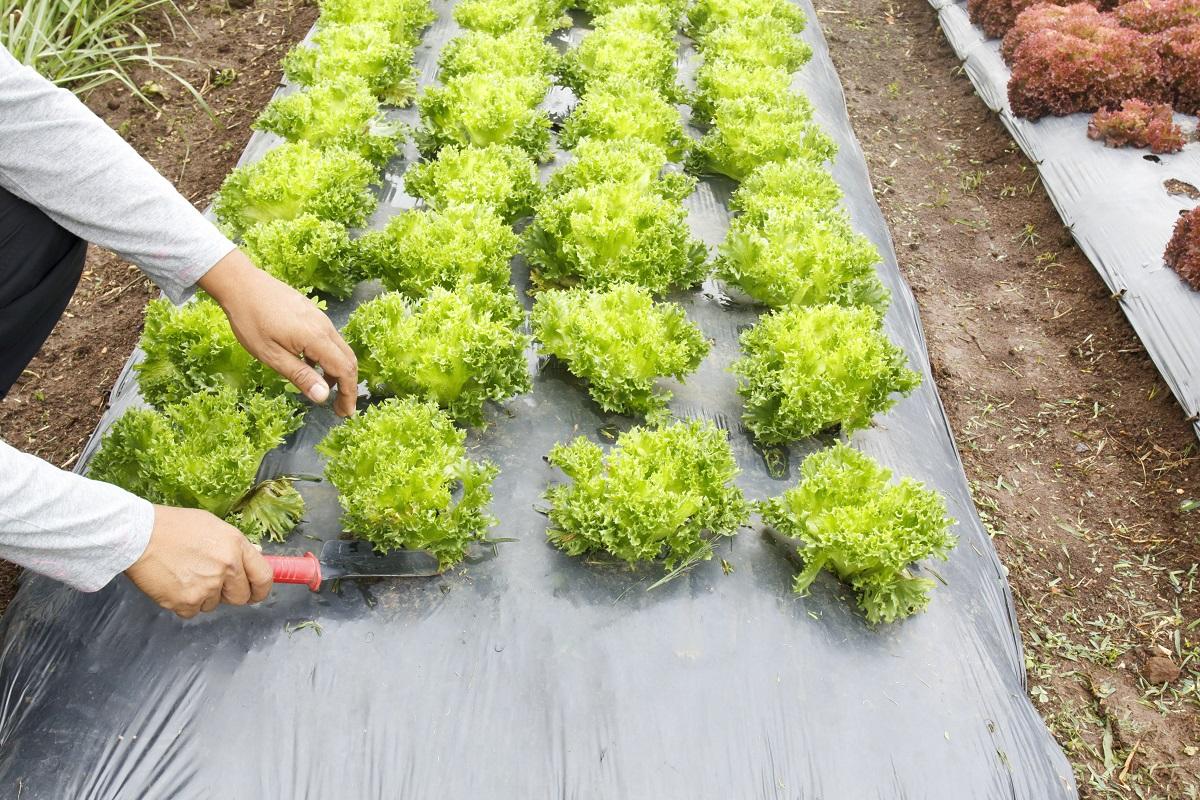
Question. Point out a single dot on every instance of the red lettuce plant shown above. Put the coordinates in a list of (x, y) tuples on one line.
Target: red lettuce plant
[(1076, 19), (1180, 51), (996, 17), (1138, 124), (1080, 61), (1183, 251), (1157, 16)]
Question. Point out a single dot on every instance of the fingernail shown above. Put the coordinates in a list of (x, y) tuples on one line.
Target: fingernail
[(319, 392)]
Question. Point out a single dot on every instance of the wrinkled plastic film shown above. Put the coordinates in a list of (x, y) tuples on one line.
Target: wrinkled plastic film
[(1115, 204), (531, 674)]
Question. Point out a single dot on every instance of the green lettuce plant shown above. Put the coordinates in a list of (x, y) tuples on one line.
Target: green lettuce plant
[(606, 233), (621, 110), (802, 258), (623, 54), (503, 16), (420, 250), (758, 128), (806, 370), (339, 113), (404, 480), (457, 348), (295, 179), (205, 452), (782, 187), (500, 177), (634, 163), (660, 493), (482, 108), (307, 253), (620, 341), (764, 41), (363, 49), (515, 53), (868, 532), (190, 350), (403, 19), (705, 15)]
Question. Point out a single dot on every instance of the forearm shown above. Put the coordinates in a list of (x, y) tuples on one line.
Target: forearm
[(62, 525), (59, 156)]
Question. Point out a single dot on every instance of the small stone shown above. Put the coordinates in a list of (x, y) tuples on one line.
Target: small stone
[(1080, 447), (1159, 670)]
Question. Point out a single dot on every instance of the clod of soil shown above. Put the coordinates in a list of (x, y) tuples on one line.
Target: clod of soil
[(1159, 670)]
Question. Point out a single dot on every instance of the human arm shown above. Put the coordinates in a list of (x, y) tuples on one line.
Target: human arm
[(84, 533), (59, 156), (56, 154)]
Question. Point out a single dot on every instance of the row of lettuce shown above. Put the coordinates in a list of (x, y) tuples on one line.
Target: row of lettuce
[(1132, 64), (607, 245)]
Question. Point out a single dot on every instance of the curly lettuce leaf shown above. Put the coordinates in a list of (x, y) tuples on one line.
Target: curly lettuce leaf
[(456, 348), (802, 258), (851, 521), (782, 187), (622, 54), (521, 51), (705, 15), (621, 110), (719, 79), (204, 452), (635, 163), (403, 19), (338, 113), (483, 108), (296, 179), (606, 233), (765, 125), (420, 250), (365, 50), (502, 16), (598, 8), (500, 177), (764, 41), (620, 341), (306, 253), (191, 349), (404, 480), (664, 493), (806, 370)]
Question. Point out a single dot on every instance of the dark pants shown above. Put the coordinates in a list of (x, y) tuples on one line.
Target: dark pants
[(40, 265)]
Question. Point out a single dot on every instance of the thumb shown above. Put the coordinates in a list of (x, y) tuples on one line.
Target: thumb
[(299, 374)]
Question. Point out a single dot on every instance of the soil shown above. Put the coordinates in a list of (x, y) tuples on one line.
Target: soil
[(1080, 460), (235, 51)]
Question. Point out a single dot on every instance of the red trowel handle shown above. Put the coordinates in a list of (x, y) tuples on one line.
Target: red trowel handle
[(305, 569)]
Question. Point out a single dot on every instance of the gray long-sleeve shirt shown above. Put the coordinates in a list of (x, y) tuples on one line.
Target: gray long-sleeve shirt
[(57, 155)]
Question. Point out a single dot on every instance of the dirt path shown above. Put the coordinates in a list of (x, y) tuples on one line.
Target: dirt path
[(1079, 457), (55, 406)]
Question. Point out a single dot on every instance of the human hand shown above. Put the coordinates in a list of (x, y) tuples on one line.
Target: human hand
[(284, 330), (195, 562)]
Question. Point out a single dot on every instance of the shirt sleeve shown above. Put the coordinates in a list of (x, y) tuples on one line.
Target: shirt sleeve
[(59, 156), (67, 527)]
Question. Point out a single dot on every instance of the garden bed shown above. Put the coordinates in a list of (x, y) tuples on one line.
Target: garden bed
[(576, 655)]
